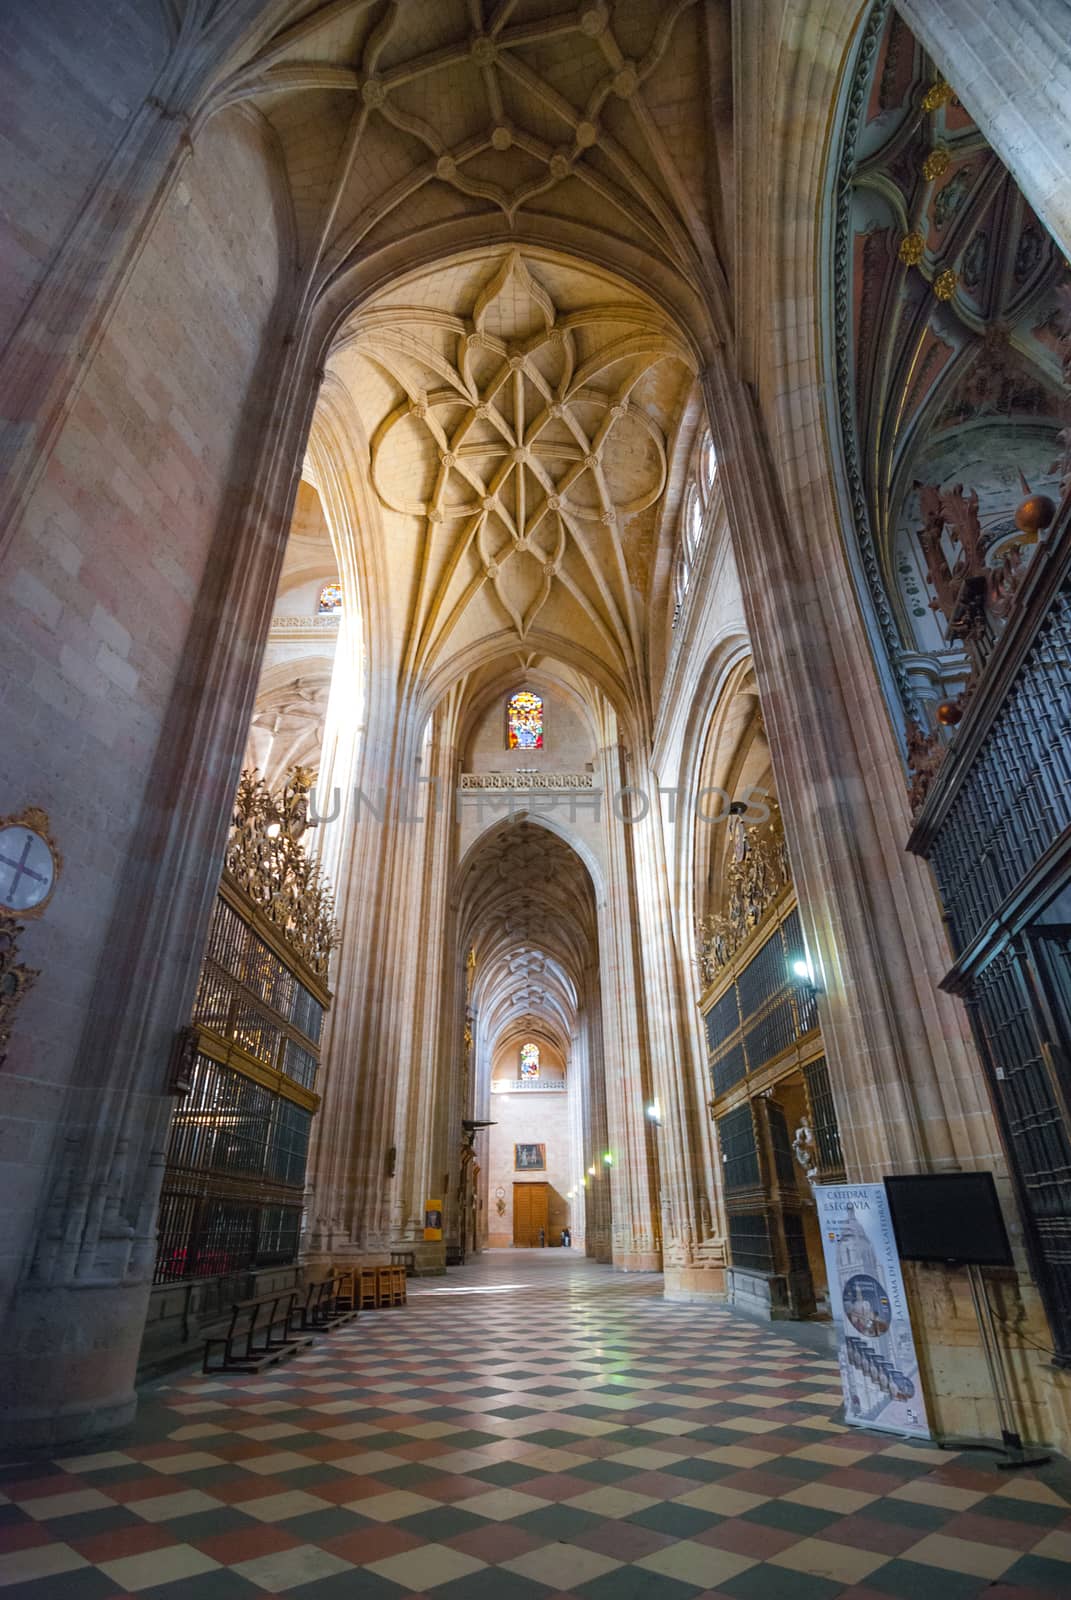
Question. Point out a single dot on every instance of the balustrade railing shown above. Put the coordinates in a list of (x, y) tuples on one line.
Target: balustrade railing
[(528, 1086)]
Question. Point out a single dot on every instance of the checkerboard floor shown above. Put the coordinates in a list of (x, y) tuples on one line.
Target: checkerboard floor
[(531, 1426)]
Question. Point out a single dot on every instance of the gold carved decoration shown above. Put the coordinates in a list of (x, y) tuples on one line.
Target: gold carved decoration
[(15, 979), (925, 752), (912, 249), (938, 94), (936, 164), (944, 285), (756, 875), (266, 860)]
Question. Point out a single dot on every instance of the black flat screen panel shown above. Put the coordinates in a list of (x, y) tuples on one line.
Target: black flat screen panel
[(953, 1216)]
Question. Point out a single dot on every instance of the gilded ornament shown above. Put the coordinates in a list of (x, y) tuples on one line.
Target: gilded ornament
[(944, 285), (912, 248), (938, 94), (15, 978), (1034, 514), (936, 164), (756, 875), (266, 860), (925, 752)]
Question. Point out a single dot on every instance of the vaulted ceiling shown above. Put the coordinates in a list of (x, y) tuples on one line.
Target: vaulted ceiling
[(397, 117), (522, 199), (519, 412), (527, 908)]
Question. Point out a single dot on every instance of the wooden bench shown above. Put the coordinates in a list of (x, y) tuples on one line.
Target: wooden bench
[(259, 1334), (406, 1259), (327, 1303)]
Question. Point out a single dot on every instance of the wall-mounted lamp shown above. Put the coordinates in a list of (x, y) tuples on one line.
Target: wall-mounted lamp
[(654, 1113), (592, 1171), (608, 1158), (803, 973)]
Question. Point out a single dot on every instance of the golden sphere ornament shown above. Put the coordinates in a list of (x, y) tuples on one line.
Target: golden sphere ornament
[(1035, 514), (949, 712)]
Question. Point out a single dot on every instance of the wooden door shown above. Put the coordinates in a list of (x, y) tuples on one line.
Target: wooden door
[(529, 1213)]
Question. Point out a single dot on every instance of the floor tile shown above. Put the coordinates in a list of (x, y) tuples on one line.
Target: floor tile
[(652, 1452), (288, 1569), (777, 1583), (907, 1580), (40, 1561), (171, 1565), (822, 1558), (961, 1555), (701, 1564), (426, 1566), (561, 1566)]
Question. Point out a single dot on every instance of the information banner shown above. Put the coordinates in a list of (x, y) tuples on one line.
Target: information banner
[(433, 1220), (878, 1367)]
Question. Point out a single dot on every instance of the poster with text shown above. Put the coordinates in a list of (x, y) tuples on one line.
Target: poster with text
[(878, 1367), (433, 1220)]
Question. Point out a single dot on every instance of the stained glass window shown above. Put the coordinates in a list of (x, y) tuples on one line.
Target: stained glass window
[(710, 461), (694, 522), (529, 1061), (331, 596), (524, 721)]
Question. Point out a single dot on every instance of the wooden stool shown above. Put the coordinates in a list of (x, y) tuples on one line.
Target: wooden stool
[(367, 1288), (398, 1289), (384, 1286)]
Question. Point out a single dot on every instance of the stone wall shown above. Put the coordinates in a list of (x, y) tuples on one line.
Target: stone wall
[(113, 575), (59, 123), (533, 1117)]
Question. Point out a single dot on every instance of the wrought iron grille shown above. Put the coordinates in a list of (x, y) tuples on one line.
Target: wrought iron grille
[(723, 1019), (796, 1243), (763, 1012), (1016, 800), (1028, 1100), (234, 1184), (749, 1241), (784, 1160), (248, 995), (211, 1236), (824, 1113), (740, 1155)]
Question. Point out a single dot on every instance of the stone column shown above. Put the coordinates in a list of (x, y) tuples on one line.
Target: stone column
[(908, 1089), (1009, 61), (681, 1137), (594, 1199), (633, 1175)]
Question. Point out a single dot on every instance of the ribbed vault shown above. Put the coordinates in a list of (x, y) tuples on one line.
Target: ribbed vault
[(520, 411), (395, 119), (526, 906)]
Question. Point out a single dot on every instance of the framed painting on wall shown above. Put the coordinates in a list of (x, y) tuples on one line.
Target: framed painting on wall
[(529, 1158)]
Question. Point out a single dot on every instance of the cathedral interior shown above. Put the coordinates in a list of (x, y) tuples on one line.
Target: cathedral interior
[(535, 799)]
